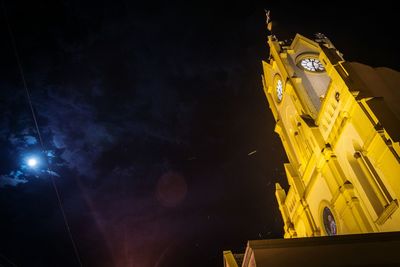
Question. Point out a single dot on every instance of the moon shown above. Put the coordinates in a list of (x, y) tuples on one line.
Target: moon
[(32, 162)]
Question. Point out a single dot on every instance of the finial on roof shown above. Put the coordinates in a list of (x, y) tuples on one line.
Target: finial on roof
[(268, 21), (321, 38)]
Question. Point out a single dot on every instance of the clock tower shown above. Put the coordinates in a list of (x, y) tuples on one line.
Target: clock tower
[(339, 125)]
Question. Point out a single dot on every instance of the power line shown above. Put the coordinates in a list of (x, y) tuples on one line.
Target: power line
[(7, 260), (75, 248)]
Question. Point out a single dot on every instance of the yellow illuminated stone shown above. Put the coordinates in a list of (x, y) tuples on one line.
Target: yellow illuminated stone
[(339, 127)]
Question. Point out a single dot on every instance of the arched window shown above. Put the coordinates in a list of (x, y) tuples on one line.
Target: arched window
[(329, 222)]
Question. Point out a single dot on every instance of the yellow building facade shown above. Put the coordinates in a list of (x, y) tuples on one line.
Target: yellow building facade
[(339, 125)]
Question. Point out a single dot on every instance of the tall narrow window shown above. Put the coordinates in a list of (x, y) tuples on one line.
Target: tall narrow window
[(329, 222)]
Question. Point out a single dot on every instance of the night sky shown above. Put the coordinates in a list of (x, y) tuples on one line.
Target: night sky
[(148, 112)]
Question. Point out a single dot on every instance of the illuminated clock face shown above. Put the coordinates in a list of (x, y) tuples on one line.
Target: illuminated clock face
[(279, 90), (312, 64)]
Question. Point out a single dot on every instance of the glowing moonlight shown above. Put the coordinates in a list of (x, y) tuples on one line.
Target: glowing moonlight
[(32, 162)]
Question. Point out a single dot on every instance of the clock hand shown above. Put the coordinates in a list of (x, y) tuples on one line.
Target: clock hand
[(314, 65)]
